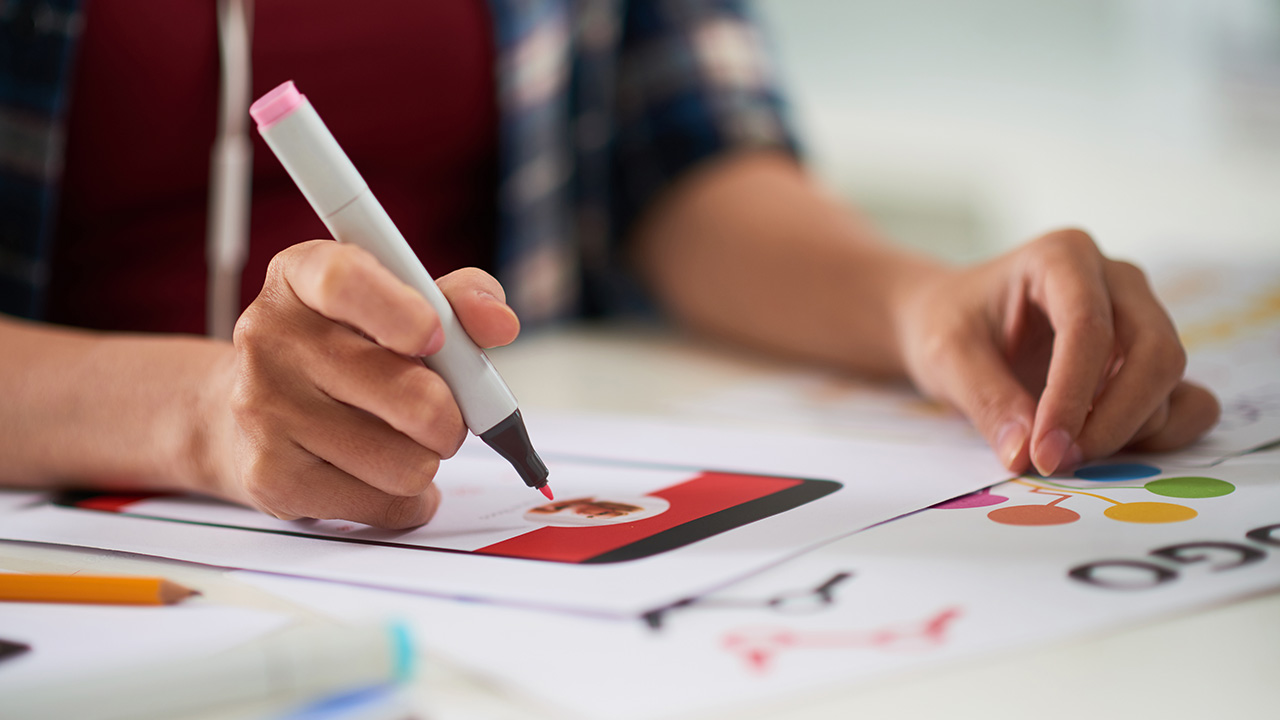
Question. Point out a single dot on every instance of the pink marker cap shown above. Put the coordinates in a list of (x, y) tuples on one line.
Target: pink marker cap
[(276, 105)]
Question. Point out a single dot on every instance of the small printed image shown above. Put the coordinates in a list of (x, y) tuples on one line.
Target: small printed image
[(591, 511)]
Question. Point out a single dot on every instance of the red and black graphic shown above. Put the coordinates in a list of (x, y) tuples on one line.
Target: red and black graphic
[(653, 511)]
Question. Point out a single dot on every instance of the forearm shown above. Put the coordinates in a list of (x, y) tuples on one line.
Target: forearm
[(105, 410), (749, 249)]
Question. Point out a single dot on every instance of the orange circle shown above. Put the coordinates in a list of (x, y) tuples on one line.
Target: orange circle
[(1150, 512), (1034, 515)]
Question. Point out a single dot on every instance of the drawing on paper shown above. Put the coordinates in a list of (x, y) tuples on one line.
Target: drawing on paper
[(612, 511), (1259, 311), (1142, 511), (759, 647), (595, 510), (1249, 408), (793, 602)]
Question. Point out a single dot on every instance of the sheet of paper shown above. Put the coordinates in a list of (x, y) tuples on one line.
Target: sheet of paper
[(1027, 562), (663, 512), (70, 641), (11, 500), (1228, 316)]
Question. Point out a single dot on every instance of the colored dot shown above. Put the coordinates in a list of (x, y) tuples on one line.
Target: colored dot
[(1117, 471), (1190, 487), (982, 498), (1150, 512), (1034, 515)]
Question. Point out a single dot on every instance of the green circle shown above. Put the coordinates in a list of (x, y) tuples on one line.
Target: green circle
[(1190, 487)]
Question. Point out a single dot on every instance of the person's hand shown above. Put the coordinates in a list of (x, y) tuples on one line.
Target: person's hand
[(1057, 354), (330, 413)]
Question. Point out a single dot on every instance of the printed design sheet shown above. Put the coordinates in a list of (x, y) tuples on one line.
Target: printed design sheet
[(1029, 561), (624, 536), (605, 512), (1229, 320)]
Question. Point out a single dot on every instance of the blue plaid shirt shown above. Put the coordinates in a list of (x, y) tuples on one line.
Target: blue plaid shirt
[(603, 103)]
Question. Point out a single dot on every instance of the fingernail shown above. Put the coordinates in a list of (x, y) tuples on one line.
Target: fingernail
[(1071, 460), (1009, 441), (434, 343), (490, 297), (1050, 451)]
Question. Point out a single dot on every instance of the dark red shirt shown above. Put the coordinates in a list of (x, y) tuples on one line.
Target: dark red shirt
[(407, 87)]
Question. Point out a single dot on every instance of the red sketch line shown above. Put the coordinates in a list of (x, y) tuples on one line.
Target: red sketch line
[(759, 646)]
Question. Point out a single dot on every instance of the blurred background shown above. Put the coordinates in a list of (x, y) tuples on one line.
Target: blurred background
[(968, 127)]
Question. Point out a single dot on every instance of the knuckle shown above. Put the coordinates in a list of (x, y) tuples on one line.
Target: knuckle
[(1069, 246), (408, 338), (1169, 359), (333, 277), (1073, 240), (278, 263), (403, 512), (265, 329), (249, 327), (260, 482), (932, 361), (1129, 273), (418, 386), (942, 340), (250, 405), (413, 478), (454, 441), (1095, 323), (935, 351), (433, 411), (255, 401), (281, 266)]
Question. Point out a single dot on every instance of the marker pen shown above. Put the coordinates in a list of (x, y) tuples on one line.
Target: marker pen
[(330, 182), (304, 662)]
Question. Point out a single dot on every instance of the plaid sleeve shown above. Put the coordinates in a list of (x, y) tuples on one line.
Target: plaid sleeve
[(695, 80), (37, 40)]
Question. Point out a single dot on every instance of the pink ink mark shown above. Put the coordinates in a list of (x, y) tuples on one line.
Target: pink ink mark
[(758, 647)]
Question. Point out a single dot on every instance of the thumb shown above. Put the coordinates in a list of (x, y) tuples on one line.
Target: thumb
[(480, 304)]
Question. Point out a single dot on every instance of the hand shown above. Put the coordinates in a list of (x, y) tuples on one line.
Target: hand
[(1056, 353), (331, 413)]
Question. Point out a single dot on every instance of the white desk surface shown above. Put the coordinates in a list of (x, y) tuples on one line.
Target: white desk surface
[(1219, 662)]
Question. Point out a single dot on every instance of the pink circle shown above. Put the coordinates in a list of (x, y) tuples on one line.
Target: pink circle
[(982, 498)]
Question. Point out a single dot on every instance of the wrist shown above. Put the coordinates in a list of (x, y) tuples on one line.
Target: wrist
[(909, 284), (918, 297), (204, 461)]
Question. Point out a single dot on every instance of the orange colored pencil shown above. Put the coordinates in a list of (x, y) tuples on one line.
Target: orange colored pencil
[(98, 589)]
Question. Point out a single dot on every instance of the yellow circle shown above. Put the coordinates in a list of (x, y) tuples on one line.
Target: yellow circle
[(1150, 512)]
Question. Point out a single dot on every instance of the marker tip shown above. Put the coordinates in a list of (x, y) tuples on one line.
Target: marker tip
[(546, 490)]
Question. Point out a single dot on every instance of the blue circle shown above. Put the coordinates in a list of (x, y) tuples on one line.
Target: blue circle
[(1117, 471)]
